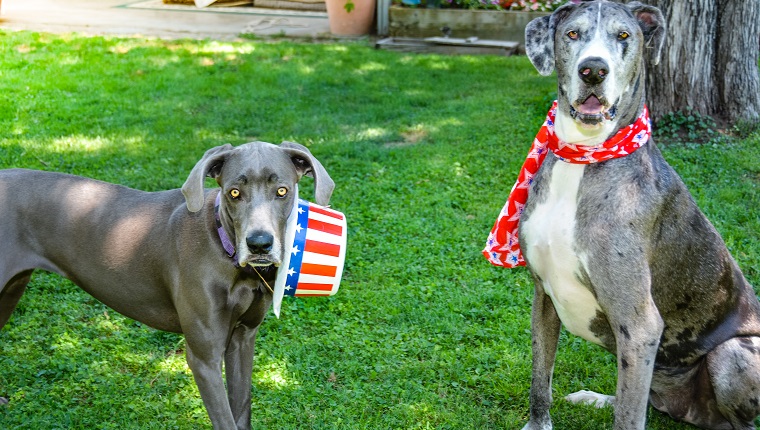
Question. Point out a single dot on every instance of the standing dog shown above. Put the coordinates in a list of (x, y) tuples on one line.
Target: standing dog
[(619, 251), (157, 257)]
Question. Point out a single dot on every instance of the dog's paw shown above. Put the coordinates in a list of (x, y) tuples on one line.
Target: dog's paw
[(533, 426), (591, 398)]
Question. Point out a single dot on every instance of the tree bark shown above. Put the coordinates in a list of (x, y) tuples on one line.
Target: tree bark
[(709, 61), (737, 69)]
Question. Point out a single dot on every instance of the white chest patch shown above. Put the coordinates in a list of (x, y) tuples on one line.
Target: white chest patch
[(547, 241)]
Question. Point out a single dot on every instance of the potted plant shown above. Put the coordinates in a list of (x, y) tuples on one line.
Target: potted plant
[(350, 17)]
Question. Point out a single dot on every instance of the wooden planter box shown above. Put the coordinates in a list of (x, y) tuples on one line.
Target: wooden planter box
[(484, 24)]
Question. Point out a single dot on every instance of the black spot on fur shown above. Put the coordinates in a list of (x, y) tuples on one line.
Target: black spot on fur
[(624, 332), (686, 335), (747, 345), (635, 91), (600, 326)]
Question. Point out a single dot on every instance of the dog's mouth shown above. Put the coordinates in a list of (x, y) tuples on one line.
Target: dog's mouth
[(259, 261), (593, 110)]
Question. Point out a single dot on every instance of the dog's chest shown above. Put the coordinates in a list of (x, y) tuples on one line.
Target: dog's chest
[(547, 237)]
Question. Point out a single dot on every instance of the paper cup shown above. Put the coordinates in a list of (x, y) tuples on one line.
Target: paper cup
[(313, 266)]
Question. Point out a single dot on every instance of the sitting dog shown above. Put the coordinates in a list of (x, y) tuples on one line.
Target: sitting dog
[(619, 252), (158, 258)]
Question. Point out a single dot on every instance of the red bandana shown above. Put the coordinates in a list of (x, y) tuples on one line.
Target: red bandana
[(503, 248)]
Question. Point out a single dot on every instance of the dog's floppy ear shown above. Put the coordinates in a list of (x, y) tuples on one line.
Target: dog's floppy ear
[(653, 27), (539, 45), (306, 164), (539, 39), (209, 165)]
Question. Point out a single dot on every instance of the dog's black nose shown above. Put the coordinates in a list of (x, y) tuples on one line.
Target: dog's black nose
[(260, 242), (593, 70)]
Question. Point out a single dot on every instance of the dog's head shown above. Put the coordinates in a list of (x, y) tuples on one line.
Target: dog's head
[(598, 50), (258, 187)]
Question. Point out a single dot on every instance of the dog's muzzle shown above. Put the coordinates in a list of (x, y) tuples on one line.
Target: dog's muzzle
[(594, 108), (260, 244)]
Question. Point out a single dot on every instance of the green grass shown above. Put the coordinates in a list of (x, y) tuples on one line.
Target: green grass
[(423, 148)]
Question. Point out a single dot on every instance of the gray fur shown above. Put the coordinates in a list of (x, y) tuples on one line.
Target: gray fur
[(157, 258), (675, 307)]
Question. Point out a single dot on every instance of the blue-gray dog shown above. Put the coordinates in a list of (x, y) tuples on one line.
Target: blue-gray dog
[(158, 257)]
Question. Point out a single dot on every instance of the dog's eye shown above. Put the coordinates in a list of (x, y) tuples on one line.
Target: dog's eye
[(572, 35), (623, 35), (282, 191), (234, 193)]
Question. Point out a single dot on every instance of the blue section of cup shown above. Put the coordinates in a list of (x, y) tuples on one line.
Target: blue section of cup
[(296, 255)]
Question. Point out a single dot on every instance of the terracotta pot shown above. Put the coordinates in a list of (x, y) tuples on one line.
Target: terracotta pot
[(358, 22)]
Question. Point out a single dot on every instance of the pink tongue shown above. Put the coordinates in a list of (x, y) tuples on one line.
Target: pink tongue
[(591, 106)]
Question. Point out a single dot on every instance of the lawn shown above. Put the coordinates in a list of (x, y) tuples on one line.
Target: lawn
[(423, 334)]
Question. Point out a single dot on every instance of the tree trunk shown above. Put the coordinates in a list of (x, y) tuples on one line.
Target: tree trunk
[(738, 49), (709, 61)]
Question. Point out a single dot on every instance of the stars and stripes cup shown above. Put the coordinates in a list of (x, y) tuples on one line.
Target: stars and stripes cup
[(316, 238)]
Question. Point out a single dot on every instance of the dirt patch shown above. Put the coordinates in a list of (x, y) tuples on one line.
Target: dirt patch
[(411, 138)]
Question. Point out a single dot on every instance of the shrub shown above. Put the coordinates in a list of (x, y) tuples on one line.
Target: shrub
[(533, 5)]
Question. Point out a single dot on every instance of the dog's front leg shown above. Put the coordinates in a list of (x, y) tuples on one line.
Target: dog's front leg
[(206, 365), (637, 345), (624, 296), (545, 326), (238, 367)]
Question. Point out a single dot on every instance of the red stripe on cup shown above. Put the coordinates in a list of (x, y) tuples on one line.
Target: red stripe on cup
[(318, 269), (318, 247), (313, 287), (325, 227), (325, 211)]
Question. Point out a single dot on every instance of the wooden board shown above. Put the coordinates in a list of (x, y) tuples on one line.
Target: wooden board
[(404, 44)]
